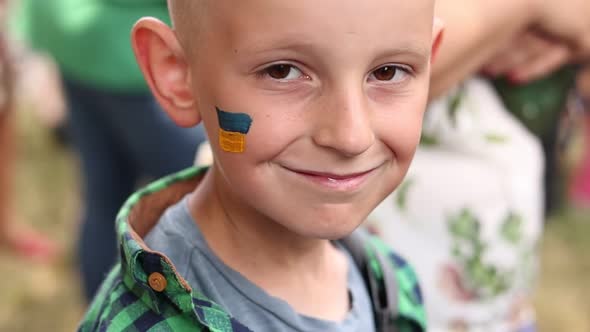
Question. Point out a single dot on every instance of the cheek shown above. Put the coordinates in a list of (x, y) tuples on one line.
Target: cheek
[(268, 137), (272, 132), (274, 123), (400, 130)]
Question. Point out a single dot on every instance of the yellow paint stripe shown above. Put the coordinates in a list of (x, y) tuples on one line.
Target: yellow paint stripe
[(230, 141)]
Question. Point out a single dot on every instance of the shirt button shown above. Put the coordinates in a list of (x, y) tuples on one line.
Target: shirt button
[(157, 282)]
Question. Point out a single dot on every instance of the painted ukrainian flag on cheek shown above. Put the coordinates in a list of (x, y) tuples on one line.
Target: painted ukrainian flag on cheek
[(233, 128)]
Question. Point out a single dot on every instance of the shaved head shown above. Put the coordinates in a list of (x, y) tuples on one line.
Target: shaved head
[(186, 18), (180, 10)]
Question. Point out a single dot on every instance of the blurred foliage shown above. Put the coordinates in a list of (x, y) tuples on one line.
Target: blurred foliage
[(539, 103)]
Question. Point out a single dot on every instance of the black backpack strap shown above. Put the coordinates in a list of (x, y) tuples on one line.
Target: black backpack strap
[(384, 297)]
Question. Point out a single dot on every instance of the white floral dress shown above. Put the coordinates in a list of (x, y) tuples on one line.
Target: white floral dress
[(469, 214)]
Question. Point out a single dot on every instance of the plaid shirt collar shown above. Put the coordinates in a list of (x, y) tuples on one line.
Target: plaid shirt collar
[(142, 269)]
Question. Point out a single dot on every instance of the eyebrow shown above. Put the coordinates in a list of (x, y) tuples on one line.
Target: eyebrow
[(285, 44), (262, 47), (414, 51)]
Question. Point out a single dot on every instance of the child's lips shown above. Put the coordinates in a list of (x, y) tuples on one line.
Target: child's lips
[(339, 182), (332, 176)]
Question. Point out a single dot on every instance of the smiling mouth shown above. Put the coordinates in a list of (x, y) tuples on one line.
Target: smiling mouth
[(338, 182)]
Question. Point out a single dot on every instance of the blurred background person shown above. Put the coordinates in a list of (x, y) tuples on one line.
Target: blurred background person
[(470, 214), (113, 122), (14, 236), (580, 180)]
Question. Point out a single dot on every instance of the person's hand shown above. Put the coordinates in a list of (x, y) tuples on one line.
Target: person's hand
[(567, 21), (529, 57)]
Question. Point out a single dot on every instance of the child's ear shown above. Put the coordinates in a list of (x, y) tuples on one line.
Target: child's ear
[(438, 28), (165, 69)]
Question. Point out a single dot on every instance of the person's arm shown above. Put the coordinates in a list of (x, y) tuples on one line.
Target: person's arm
[(474, 32), (529, 57), (477, 30)]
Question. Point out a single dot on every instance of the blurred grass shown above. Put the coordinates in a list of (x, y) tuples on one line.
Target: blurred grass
[(47, 298), (563, 293)]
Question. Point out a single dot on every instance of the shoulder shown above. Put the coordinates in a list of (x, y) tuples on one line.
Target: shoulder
[(392, 282), (117, 308), (404, 272), (101, 311)]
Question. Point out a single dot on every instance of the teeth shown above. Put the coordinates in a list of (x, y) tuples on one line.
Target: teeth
[(332, 180)]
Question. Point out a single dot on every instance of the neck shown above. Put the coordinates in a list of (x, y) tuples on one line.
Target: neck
[(284, 264), (237, 233)]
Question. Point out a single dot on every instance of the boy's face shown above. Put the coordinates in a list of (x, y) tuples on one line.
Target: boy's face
[(336, 91)]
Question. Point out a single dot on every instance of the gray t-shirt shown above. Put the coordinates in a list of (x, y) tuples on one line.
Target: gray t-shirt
[(178, 237)]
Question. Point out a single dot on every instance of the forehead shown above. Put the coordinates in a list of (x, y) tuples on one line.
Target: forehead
[(251, 23)]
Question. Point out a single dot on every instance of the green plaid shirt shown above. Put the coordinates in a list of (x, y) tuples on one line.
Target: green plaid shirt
[(127, 302)]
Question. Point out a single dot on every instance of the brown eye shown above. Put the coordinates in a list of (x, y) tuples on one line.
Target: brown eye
[(390, 74), (283, 72), (279, 71), (385, 73)]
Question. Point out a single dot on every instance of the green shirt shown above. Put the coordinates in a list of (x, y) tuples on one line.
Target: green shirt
[(145, 293), (90, 39)]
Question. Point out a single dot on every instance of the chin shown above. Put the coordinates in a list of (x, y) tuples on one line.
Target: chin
[(329, 228)]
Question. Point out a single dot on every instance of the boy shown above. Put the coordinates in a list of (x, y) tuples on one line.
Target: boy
[(314, 110)]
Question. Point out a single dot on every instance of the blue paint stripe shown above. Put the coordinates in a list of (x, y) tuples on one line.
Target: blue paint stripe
[(234, 122)]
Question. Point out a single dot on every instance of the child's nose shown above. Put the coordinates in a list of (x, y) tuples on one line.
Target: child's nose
[(344, 123)]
